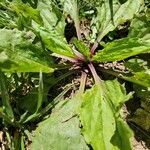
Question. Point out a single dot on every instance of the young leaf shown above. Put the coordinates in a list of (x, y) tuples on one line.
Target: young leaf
[(122, 49), (111, 14), (17, 53), (81, 47), (102, 122), (61, 130)]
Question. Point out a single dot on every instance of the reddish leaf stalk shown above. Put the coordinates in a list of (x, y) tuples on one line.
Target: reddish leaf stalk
[(82, 82), (77, 25), (79, 55), (94, 73), (95, 45)]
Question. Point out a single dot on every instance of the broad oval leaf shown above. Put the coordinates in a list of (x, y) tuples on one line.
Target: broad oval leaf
[(97, 119), (122, 49), (56, 43), (61, 130), (102, 126)]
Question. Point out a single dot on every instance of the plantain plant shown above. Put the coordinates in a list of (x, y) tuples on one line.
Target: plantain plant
[(42, 43)]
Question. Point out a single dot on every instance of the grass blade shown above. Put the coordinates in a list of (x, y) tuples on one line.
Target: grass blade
[(5, 98), (40, 92), (49, 106)]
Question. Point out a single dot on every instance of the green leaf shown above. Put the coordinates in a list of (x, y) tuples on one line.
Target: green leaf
[(71, 8), (40, 92), (22, 143), (142, 92), (52, 31), (112, 13), (123, 133), (102, 122), (140, 26), (7, 109), (56, 43), (32, 97), (81, 47), (136, 65), (48, 21), (122, 49), (26, 11), (116, 93), (140, 71), (142, 115), (51, 14), (18, 141), (7, 17), (17, 53), (99, 124), (141, 78), (34, 115), (61, 130), (111, 86)]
